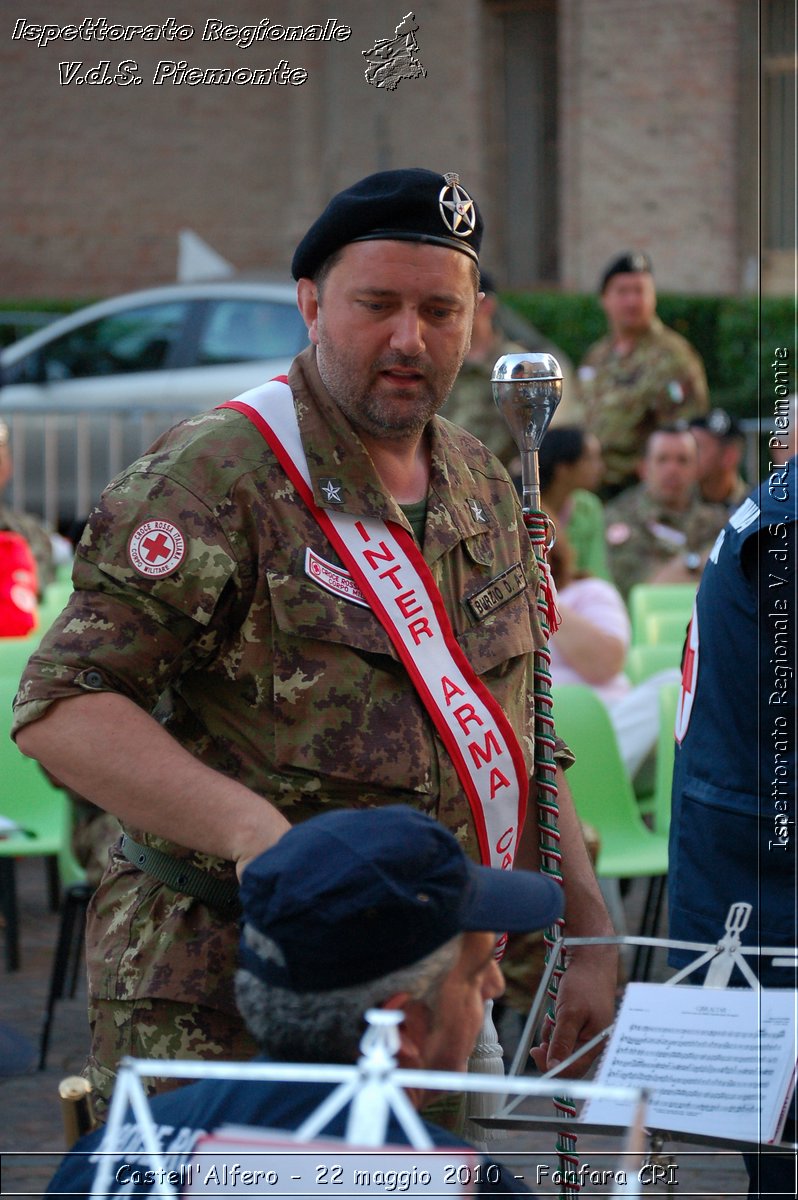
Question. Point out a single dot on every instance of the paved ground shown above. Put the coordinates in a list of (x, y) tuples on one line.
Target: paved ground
[(31, 1135)]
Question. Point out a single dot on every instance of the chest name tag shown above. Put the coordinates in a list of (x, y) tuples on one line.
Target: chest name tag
[(499, 591)]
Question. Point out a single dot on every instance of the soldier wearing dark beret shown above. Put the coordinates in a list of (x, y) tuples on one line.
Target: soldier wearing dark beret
[(721, 443), (641, 375), (631, 262), (220, 675)]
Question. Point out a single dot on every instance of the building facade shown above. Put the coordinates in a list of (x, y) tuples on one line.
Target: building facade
[(583, 127)]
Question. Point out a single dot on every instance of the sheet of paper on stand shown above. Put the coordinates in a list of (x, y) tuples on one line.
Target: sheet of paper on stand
[(719, 1062)]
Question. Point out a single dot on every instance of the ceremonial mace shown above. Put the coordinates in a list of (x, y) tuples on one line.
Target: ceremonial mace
[(527, 389)]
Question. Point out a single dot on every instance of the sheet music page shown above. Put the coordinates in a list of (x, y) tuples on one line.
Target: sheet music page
[(717, 1061)]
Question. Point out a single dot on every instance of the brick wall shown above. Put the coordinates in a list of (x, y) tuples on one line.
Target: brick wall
[(649, 139), (98, 181)]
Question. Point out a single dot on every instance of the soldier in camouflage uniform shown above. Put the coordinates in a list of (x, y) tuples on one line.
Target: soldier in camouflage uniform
[(28, 526), (721, 443), (470, 402), (661, 531), (207, 597), (642, 375)]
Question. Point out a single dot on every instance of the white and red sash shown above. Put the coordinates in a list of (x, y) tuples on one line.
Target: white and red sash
[(387, 566)]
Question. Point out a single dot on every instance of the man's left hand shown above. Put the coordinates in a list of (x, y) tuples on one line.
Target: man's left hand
[(585, 1006)]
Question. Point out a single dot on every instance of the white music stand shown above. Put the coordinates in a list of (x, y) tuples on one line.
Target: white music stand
[(372, 1088), (722, 957)]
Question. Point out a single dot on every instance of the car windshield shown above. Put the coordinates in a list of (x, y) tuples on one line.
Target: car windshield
[(138, 339), (244, 330)]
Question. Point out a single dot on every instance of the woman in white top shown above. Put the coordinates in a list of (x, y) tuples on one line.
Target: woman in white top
[(590, 647)]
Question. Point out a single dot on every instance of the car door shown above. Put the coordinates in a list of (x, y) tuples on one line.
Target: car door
[(84, 404)]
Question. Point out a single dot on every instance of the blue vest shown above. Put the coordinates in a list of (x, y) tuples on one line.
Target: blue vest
[(733, 833)]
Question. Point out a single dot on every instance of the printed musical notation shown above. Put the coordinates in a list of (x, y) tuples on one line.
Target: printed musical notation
[(717, 1062)]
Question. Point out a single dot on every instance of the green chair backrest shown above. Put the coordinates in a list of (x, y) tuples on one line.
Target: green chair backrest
[(644, 661), (601, 788), (55, 598), (26, 796), (63, 573), (15, 652), (645, 598), (659, 628), (666, 748)]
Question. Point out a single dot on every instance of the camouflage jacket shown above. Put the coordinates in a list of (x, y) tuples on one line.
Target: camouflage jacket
[(625, 397), (739, 492), (643, 534), (470, 404), (257, 669)]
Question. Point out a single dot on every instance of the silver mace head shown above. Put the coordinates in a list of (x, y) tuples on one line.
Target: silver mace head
[(527, 389)]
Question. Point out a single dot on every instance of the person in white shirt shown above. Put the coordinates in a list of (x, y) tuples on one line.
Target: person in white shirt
[(590, 647)]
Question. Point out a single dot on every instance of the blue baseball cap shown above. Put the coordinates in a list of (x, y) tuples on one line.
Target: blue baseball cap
[(352, 895)]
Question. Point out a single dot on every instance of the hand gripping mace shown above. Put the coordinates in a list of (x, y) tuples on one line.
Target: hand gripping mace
[(527, 389)]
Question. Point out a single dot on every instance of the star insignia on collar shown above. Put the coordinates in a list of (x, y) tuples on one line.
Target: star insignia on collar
[(332, 491), (456, 207), (477, 511)]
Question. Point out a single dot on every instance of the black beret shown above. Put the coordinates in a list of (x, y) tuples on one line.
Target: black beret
[(411, 205), (720, 424), (630, 262), (487, 283)]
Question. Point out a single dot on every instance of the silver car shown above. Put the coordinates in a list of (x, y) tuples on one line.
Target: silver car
[(88, 393)]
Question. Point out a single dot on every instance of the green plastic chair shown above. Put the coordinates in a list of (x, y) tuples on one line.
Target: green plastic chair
[(55, 598), (666, 748), (603, 794), (68, 954), (40, 811), (604, 798), (647, 598), (15, 652), (644, 661), (665, 628), (63, 573)]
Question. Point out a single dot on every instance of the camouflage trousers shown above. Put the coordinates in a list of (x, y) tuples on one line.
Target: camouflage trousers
[(158, 1029)]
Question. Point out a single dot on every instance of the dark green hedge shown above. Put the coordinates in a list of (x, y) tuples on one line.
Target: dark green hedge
[(735, 337)]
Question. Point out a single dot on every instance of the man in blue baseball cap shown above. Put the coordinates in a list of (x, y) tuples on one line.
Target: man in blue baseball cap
[(349, 911)]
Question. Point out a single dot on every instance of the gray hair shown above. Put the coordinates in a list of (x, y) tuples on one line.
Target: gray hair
[(328, 1026)]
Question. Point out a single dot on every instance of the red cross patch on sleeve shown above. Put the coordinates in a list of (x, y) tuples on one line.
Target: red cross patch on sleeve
[(156, 548)]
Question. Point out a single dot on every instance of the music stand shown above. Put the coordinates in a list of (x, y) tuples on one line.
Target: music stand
[(722, 957), (372, 1088)]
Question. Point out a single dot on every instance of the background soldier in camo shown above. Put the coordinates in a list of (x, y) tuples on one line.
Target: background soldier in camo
[(470, 402), (638, 377), (721, 445), (210, 685), (661, 531)]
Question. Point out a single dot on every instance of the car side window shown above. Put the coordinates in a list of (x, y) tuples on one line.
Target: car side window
[(248, 330), (138, 339)]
